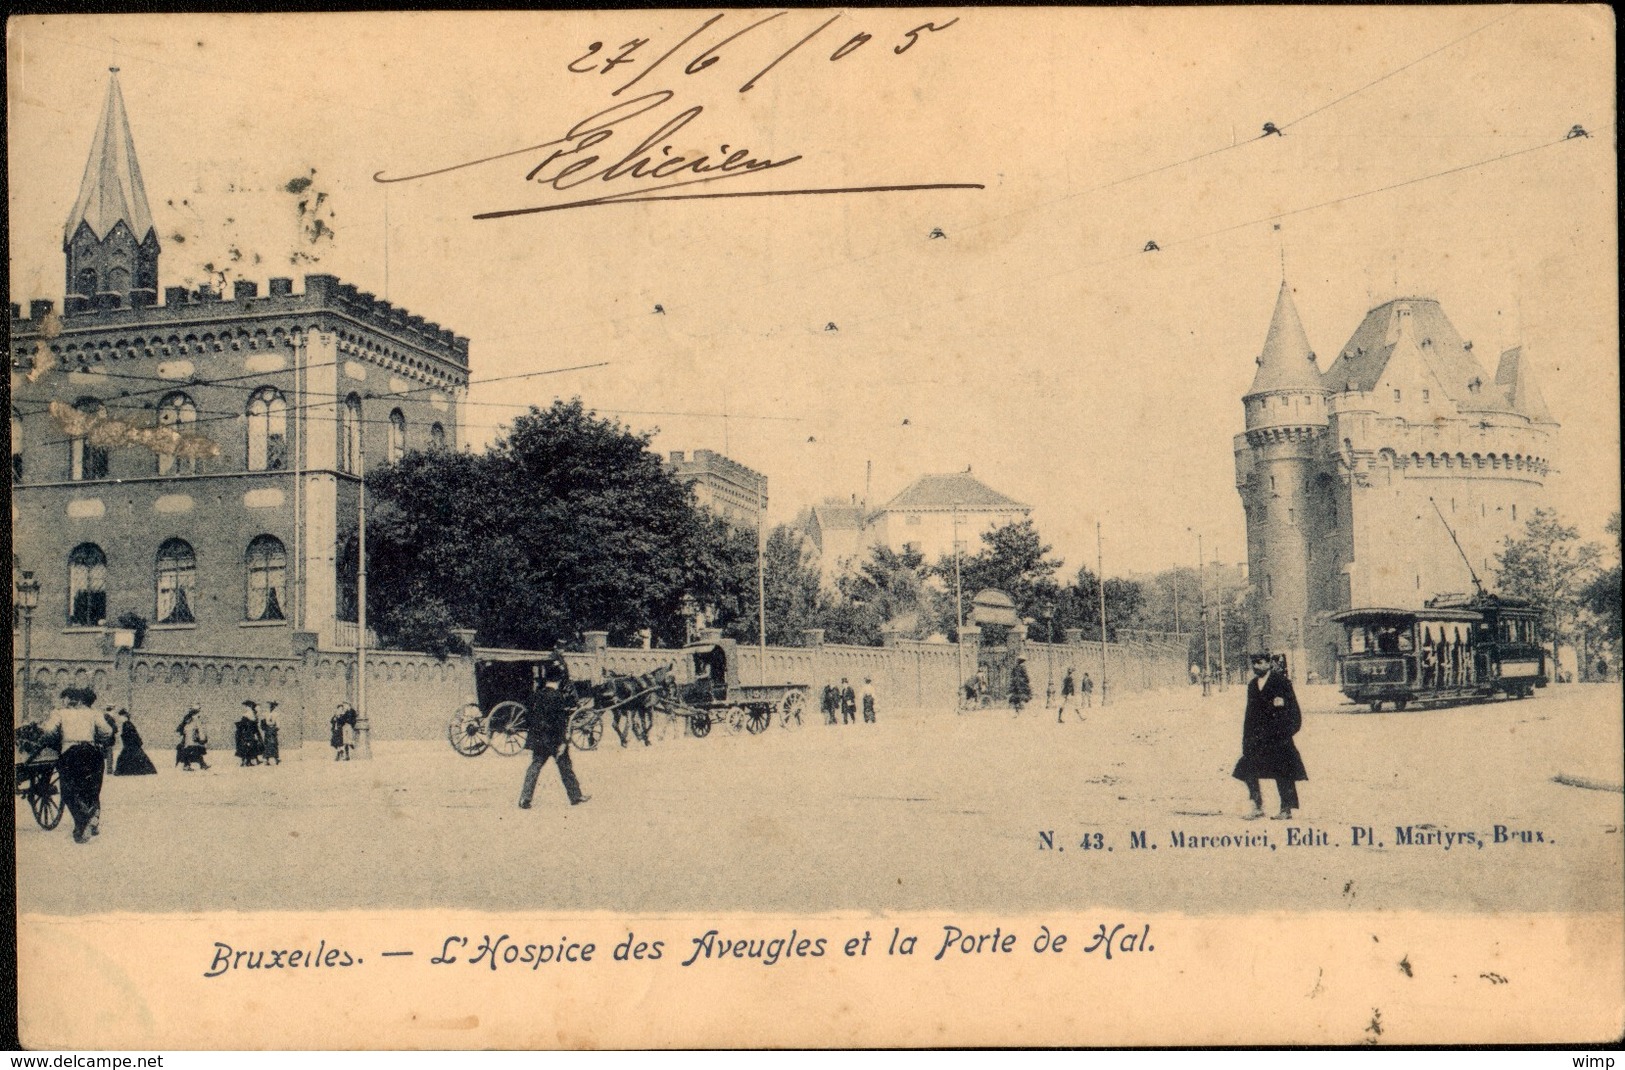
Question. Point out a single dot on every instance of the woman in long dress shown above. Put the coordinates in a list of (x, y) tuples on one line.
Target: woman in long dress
[(132, 760), (270, 737)]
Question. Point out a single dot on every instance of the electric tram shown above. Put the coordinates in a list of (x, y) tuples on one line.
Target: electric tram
[(1455, 649)]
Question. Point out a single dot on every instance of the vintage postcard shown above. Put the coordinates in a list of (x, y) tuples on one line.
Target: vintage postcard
[(816, 528)]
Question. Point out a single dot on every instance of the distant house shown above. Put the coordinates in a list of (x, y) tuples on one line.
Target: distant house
[(924, 516), (838, 532)]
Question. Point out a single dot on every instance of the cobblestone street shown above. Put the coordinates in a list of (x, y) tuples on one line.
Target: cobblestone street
[(924, 811)]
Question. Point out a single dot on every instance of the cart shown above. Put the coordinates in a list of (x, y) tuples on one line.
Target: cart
[(716, 695), (505, 680), (37, 779)]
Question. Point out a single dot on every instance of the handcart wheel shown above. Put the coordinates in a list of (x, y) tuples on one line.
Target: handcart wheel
[(586, 729), (790, 709), (507, 729), (45, 800), (467, 731), (757, 718), (700, 724)]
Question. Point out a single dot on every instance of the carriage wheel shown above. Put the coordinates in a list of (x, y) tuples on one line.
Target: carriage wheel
[(699, 724), (1376, 706), (736, 719), (757, 717), (790, 708), (45, 800), (508, 728), (467, 731), (586, 729), (1400, 703)]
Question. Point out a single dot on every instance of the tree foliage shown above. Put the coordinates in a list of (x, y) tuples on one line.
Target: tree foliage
[(569, 523), (1549, 566)]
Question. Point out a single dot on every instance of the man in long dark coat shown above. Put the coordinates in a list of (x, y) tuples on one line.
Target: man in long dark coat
[(549, 736), (1267, 750)]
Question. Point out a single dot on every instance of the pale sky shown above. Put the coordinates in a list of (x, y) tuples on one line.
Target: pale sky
[(1035, 341)]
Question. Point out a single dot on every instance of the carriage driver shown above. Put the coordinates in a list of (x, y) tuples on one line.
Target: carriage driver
[(550, 708)]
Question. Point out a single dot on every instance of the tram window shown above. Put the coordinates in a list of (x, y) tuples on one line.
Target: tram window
[(1405, 645), (1357, 640), (1387, 641)]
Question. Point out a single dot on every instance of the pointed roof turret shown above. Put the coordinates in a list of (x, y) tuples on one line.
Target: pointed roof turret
[(1512, 376), (1287, 362), (111, 189)]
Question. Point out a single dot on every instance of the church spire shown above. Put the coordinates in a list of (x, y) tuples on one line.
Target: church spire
[(1287, 362), (110, 266)]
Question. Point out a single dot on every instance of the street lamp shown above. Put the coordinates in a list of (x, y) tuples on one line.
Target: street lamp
[(27, 601), (1201, 584)]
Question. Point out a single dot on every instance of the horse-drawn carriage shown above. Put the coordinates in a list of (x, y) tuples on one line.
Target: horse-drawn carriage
[(700, 688), (37, 780)]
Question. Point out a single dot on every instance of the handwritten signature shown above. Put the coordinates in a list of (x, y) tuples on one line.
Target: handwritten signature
[(590, 155)]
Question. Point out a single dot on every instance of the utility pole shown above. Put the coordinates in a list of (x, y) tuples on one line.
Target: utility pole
[(1224, 664), (1100, 575), (1201, 585), (761, 590)]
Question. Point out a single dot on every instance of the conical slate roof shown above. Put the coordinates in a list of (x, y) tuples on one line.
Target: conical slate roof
[(1287, 362), (1512, 376), (111, 189)]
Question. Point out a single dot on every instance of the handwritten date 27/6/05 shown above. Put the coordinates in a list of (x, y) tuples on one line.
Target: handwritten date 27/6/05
[(601, 59)]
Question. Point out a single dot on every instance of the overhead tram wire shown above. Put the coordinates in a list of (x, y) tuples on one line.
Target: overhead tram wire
[(1136, 253), (1073, 195)]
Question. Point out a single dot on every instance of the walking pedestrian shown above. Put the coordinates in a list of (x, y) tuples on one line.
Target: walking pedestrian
[(1021, 687), (110, 743), (194, 740), (248, 735), (1069, 688), (270, 736), (342, 736), (867, 698), (849, 702), (1086, 688), (1272, 718), (831, 703), (81, 732), (550, 708), (132, 759)]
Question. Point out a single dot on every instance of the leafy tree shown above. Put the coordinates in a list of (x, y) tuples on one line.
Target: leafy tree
[(569, 523), (1546, 567), (1013, 559), (1600, 603), (791, 586), (1081, 605)]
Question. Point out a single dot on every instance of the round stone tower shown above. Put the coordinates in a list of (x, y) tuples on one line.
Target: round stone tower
[(1275, 464)]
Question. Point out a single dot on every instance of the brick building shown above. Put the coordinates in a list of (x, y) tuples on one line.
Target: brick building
[(1344, 474), (721, 484), (196, 462)]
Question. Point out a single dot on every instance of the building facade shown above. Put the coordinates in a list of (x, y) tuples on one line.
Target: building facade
[(721, 484), (928, 514), (194, 465), (1349, 477)]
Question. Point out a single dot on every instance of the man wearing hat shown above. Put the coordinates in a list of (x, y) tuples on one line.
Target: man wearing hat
[(549, 737), (1021, 686), (83, 732), (1267, 750)]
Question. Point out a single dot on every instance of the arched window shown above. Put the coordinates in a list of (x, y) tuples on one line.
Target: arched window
[(87, 586), (437, 436), (267, 431), (267, 578), (397, 436), (176, 413), (177, 578), (17, 447), (84, 282), (350, 435), (86, 459)]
